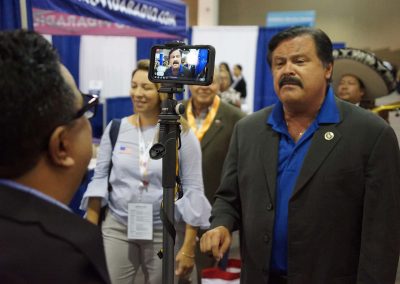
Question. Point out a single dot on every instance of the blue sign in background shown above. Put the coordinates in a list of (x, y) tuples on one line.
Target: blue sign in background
[(291, 18), (167, 17)]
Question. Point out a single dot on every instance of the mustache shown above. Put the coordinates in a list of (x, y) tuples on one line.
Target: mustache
[(290, 80), (175, 62)]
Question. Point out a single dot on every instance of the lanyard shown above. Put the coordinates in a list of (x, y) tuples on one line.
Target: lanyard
[(144, 156)]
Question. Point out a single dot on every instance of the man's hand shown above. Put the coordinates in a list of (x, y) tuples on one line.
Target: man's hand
[(217, 241)]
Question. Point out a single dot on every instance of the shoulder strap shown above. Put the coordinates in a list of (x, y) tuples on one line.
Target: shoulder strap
[(114, 131)]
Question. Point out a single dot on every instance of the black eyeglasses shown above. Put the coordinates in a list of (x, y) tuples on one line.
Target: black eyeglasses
[(89, 107), (88, 110)]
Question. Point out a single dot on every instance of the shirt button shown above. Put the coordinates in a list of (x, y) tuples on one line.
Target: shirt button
[(269, 206), (266, 238)]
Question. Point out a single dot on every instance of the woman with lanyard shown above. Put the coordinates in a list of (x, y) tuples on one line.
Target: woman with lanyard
[(132, 229)]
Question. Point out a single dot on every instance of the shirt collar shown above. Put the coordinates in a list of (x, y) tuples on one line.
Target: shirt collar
[(328, 113), (204, 112), (30, 190)]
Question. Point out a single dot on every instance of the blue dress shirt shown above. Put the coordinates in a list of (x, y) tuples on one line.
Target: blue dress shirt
[(290, 160)]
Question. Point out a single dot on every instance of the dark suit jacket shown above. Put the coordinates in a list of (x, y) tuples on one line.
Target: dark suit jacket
[(343, 224), (241, 88), (215, 144), (43, 243)]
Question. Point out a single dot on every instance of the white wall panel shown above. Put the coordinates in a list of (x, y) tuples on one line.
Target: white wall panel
[(234, 45), (109, 59)]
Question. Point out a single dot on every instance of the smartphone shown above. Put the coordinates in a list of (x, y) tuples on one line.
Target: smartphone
[(184, 64)]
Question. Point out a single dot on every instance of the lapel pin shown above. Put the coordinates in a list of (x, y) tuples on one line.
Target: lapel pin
[(329, 135)]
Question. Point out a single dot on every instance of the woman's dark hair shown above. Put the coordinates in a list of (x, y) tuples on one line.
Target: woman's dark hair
[(322, 42), (226, 65), (34, 100)]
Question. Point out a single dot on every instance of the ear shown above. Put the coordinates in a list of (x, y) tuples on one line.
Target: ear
[(328, 71), (60, 147)]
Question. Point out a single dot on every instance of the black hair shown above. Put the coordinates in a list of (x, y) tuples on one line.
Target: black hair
[(360, 83), (174, 49), (35, 99), (239, 66), (322, 42)]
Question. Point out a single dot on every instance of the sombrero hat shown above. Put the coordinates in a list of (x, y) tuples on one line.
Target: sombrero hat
[(377, 77)]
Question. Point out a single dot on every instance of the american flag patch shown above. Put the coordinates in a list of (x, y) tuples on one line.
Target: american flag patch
[(125, 149)]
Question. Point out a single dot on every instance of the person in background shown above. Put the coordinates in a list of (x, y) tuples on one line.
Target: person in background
[(312, 182), (239, 83), (228, 94), (176, 68), (46, 146), (212, 120), (136, 180), (225, 66), (359, 77), (351, 89)]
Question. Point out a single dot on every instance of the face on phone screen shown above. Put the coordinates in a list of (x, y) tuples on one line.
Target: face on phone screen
[(186, 65)]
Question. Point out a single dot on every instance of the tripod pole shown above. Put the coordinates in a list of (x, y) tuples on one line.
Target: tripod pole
[(167, 149), (168, 181)]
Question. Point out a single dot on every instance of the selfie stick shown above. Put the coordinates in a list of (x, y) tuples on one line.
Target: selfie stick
[(166, 149)]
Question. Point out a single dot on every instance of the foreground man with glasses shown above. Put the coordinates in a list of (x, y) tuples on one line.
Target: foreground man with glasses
[(45, 147)]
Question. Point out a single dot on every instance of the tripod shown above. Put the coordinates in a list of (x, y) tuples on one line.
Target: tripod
[(166, 149)]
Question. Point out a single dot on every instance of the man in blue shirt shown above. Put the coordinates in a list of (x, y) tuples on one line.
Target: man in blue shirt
[(312, 183), (176, 68), (45, 148)]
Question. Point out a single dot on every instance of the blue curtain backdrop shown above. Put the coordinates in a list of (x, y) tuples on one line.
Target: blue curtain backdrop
[(118, 107), (10, 15), (264, 94), (68, 48)]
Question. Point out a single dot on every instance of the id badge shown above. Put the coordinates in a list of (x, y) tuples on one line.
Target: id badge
[(140, 221)]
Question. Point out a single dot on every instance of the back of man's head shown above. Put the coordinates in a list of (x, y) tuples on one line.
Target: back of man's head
[(35, 99)]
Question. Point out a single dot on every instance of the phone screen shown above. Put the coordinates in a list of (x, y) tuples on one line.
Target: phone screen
[(183, 64)]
